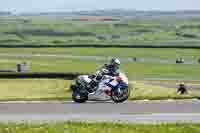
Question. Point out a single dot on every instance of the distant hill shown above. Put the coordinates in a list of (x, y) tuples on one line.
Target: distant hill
[(130, 14), (140, 14), (5, 13)]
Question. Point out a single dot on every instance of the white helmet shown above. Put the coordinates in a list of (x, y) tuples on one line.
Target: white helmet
[(115, 63)]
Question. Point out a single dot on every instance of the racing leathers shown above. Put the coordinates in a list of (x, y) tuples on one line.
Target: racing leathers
[(107, 69)]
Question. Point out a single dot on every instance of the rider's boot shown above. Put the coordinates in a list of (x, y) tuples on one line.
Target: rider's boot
[(92, 86)]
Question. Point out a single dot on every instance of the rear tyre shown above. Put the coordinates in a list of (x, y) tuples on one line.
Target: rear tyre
[(79, 97)]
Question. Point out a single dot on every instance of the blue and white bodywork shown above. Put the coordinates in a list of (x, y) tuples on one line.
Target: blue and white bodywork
[(109, 88)]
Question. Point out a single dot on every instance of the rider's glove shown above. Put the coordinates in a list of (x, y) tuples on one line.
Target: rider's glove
[(92, 76), (99, 77)]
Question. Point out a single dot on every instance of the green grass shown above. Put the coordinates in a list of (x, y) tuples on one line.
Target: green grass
[(138, 70), (51, 65), (72, 127), (9, 39), (140, 90), (135, 32), (58, 89), (133, 70), (131, 128), (59, 40), (32, 128), (34, 89)]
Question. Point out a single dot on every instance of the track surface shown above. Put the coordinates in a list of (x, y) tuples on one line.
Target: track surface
[(134, 112), (97, 58)]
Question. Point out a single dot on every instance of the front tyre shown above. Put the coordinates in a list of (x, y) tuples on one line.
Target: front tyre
[(119, 95)]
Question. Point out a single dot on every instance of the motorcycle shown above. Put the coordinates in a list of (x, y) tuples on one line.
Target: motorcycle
[(108, 88)]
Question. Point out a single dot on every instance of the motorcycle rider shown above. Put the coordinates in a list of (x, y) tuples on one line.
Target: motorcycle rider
[(111, 69)]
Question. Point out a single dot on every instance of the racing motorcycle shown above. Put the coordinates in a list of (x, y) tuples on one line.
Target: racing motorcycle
[(108, 88)]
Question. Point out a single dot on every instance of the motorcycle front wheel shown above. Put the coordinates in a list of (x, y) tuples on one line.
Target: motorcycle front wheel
[(119, 95)]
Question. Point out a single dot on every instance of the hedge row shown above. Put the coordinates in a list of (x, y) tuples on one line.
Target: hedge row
[(98, 46), (68, 76)]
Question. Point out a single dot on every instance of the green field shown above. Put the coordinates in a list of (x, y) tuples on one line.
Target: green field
[(133, 70), (38, 30), (46, 31), (58, 89), (71, 127)]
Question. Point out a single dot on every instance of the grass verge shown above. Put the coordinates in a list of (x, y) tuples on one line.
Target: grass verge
[(58, 89), (140, 91), (72, 127), (34, 89)]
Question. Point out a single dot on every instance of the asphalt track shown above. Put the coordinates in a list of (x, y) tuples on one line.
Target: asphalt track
[(96, 58), (132, 112)]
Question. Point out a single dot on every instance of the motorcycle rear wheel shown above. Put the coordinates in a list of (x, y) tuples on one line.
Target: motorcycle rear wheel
[(78, 97)]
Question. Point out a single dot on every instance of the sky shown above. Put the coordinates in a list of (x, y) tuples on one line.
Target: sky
[(70, 5)]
